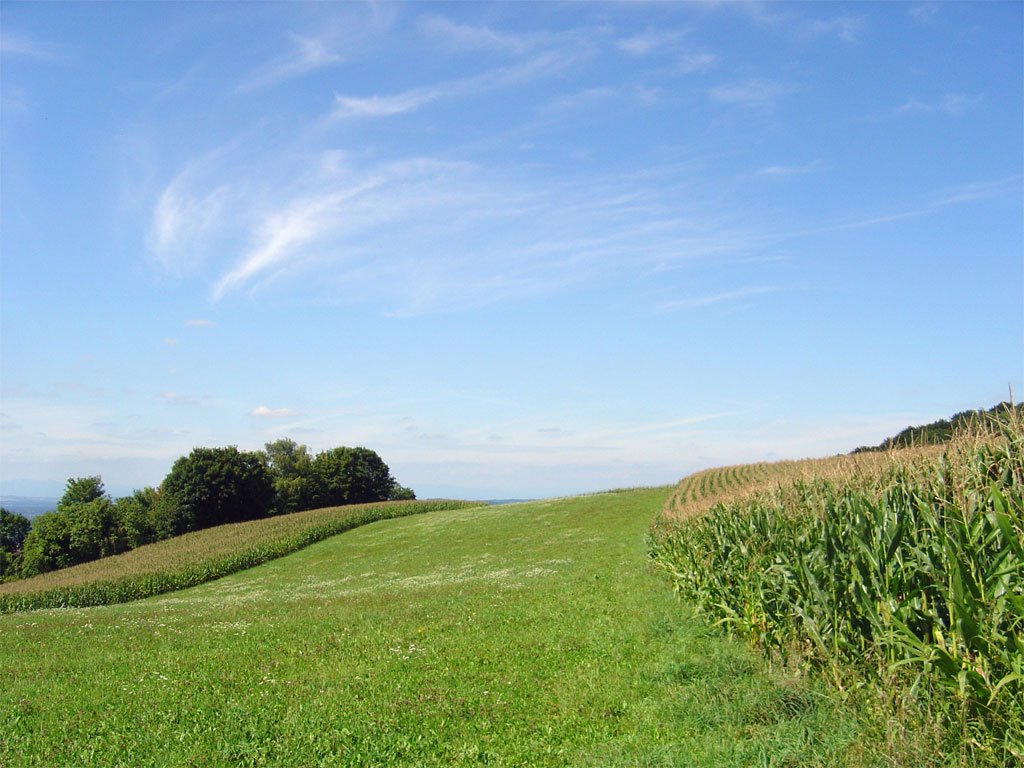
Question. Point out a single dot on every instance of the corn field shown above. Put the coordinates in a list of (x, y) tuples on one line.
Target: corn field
[(907, 574), (198, 557)]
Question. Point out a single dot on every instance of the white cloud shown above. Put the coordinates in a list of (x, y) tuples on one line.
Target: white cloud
[(178, 398), (347, 207), (197, 322), (15, 44), (307, 55), (786, 171), (696, 62), (846, 28), (470, 37), (181, 218), (263, 411), (941, 200), (645, 43), (384, 106), (799, 26), (718, 298), (571, 101), (950, 104), (540, 65), (750, 94), (923, 13), (981, 190)]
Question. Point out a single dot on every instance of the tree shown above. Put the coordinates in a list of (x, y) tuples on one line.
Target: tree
[(291, 467), (81, 490), (401, 493), (13, 530), (213, 486), (350, 476), (286, 458), (84, 527), (47, 545), (139, 519)]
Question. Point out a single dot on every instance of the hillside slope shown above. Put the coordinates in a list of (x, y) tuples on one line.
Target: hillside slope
[(531, 634)]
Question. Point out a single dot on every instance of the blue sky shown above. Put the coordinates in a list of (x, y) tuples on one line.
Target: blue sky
[(517, 249)]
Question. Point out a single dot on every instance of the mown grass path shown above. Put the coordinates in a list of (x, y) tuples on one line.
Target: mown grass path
[(533, 634)]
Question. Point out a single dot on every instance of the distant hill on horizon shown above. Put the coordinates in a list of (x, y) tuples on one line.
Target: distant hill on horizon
[(29, 506)]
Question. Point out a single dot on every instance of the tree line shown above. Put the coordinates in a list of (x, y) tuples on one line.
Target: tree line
[(210, 486), (942, 431)]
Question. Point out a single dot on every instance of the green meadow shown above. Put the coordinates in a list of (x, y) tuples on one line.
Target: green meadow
[(530, 634)]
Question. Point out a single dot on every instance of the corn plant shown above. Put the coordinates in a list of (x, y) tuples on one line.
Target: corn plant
[(913, 572)]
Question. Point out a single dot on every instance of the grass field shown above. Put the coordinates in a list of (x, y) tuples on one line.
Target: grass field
[(531, 634)]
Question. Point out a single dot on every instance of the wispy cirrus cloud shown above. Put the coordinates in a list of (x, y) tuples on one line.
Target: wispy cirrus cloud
[(940, 201), (689, 63), (339, 35), (923, 13), (648, 42), (541, 65), (953, 104), (697, 302), (344, 208), (426, 235), (18, 44), (262, 411), (198, 322), (474, 37), (801, 26), (182, 218), (788, 171), (386, 106), (751, 94), (308, 54), (671, 43), (179, 399)]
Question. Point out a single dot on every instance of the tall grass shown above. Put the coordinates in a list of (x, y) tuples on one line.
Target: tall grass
[(910, 576), (198, 557)]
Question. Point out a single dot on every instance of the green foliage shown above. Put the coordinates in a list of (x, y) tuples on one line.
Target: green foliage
[(81, 490), (350, 476), (914, 580), (213, 486), (291, 467), (140, 520), (401, 493), (334, 477), (85, 526), (13, 530)]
